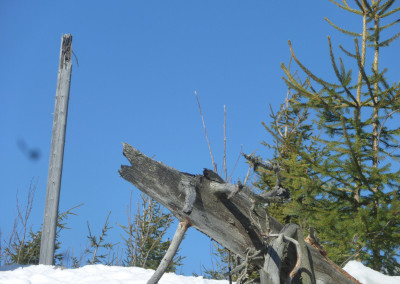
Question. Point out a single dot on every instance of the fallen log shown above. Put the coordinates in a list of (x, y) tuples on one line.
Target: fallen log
[(230, 215)]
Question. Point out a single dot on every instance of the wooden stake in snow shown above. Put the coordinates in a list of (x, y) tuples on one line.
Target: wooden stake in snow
[(56, 153), (169, 255)]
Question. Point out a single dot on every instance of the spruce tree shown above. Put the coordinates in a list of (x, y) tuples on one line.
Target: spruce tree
[(26, 250), (145, 245), (337, 142), (96, 243)]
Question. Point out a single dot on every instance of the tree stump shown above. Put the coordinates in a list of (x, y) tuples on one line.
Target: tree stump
[(231, 215)]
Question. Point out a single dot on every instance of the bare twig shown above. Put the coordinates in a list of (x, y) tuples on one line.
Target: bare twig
[(24, 217), (247, 175), (226, 180), (237, 161), (205, 131), (224, 159), (249, 169), (6, 253)]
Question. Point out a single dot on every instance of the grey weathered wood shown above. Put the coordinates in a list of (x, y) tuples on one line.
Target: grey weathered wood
[(272, 265), (279, 250), (210, 211), (56, 153), (220, 211), (169, 255)]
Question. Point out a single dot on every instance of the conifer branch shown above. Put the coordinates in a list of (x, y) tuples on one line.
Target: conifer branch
[(292, 83), (99, 244), (371, 241), (324, 104), (385, 6), (315, 164), (389, 25), (390, 13), (308, 72), (360, 6), (389, 90), (347, 52), (386, 42), (375, 4), (309, 84), (347, 7), (384, 103), (342, 30), (383, 124), (369, 8), (340, 78), (69, 212), (361, 68), (353, 155)]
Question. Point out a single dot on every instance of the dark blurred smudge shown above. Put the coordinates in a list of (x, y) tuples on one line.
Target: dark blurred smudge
[(32, 154)]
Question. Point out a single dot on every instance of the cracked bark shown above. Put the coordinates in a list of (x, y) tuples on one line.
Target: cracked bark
[(222, 212)]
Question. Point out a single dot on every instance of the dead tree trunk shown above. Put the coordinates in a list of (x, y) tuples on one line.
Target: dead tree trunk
[(230, 215), (48, 239)]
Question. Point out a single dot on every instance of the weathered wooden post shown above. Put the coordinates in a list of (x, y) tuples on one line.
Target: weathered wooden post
[(56, 153)]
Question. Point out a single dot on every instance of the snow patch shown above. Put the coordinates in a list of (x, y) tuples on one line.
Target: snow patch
[(102, 274), (367, 275)]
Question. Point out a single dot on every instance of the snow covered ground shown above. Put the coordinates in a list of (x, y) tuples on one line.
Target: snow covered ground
[(368, 276), (101, 274)]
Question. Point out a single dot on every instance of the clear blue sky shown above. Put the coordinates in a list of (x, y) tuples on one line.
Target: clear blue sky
[(139, 65)]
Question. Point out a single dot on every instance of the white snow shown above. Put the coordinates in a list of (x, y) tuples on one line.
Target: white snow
[(91, 274), (367, 275), (102, 274)]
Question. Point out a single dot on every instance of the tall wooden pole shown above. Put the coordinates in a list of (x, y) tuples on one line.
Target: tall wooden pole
[(56, 153)]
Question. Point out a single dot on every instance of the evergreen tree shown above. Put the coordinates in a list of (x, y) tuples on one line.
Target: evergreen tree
[(220, 264), (337, 144), (98, 243), (144, 241), (26, 250)]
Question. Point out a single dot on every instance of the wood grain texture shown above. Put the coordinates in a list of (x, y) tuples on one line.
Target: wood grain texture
[(219, 211), (47, 246)]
